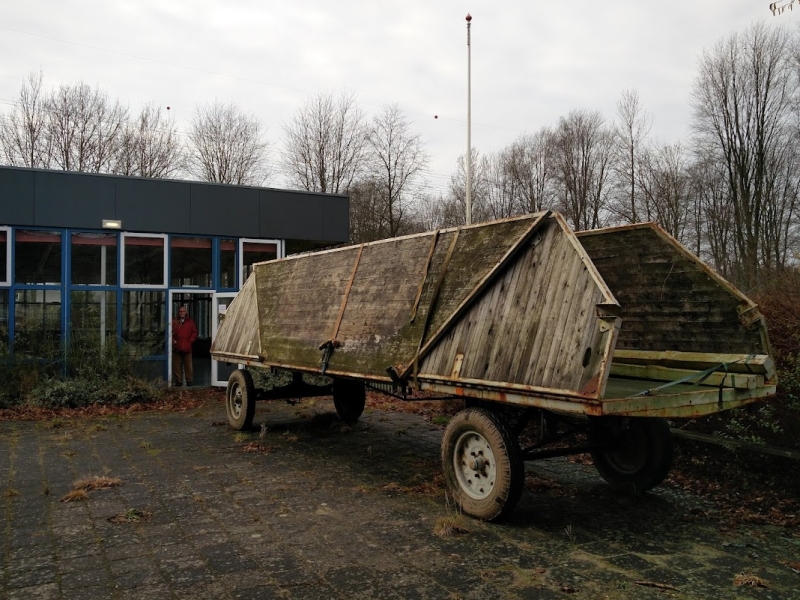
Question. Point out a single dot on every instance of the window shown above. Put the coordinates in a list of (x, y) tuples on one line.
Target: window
[(94, 259), (227, 264), (93, 317), (255, 251), (37, 257), (144, 321), (37, 323), (3, 322), (144, 260), (5, 256), (190, 262)]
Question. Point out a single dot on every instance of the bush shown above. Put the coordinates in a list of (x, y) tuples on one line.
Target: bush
[(84, 375)]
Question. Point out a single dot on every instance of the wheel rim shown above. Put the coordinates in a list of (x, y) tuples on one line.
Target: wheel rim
[(629, 453), (475, 467), (235, 400)]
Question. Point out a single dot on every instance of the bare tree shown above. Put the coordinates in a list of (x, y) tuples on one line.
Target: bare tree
[(715, 211), (665, 184), (83, 127), (581, 164), (23, 136), (527, 163), (149, 146), (436, 212), (325, 144), (630, 134), (457, 196), (743, 102), (502, 197), (365, 212), (226, 145), (397, 159)]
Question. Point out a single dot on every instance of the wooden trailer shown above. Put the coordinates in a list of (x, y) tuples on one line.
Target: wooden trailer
[(605, 333)]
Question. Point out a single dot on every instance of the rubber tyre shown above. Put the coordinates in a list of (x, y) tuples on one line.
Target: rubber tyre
[(638, 455), (349, 399), (480, 433), (240, 400)]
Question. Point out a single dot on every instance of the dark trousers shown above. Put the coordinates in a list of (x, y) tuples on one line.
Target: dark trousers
[(182, 361)]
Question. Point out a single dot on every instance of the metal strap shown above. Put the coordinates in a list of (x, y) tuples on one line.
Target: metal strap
[(701, 377)]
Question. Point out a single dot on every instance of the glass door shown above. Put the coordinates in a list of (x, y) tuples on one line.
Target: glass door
[(220, 371)]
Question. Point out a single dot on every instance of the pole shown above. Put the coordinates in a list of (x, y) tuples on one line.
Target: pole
[(469, 123)]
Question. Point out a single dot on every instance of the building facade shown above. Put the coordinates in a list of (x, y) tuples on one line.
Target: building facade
[(102, 259)]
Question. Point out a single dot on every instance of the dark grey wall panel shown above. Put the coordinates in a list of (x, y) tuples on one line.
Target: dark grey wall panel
[(336, 219), (153, 206), (82, 200), (224, 210), (73, 200), (290, 215), (16, 197)]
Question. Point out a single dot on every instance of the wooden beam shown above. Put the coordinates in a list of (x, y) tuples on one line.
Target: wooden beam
[(761, 364), (733, 380)]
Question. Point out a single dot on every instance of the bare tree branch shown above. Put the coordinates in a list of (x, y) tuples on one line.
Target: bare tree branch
[(226, 146)]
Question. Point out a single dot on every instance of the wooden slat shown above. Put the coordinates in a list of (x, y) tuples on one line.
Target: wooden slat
[(669, 298), (734, 380), (737, 363)]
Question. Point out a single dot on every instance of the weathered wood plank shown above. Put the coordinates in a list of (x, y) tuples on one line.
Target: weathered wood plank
[(737, 363), (735, 380), (669, 299)]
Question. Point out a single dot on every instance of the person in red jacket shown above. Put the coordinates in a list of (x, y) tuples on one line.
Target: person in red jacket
[(184, 333)]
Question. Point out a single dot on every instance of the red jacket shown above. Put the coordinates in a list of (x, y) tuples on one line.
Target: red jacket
[(183, 335)]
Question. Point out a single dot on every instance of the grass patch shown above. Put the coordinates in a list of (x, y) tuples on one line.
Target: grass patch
[(749, 580), (450, 526), (11, 493), (97, 482), (75, 496), (257, 447)]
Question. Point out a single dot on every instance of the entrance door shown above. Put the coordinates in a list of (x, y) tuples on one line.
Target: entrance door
[(198, 307), (220, 371)]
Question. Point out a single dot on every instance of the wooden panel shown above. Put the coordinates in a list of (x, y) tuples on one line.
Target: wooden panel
[(533, 326), (238, 334), (669, 300), (300, 298)]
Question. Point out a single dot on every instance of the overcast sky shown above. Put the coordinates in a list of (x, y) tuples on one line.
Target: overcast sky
[(532, 61)]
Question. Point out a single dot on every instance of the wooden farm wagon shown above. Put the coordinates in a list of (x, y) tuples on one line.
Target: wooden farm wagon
[(605, 332)]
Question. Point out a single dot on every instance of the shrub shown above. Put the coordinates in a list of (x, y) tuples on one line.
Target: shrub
[(84, 375)]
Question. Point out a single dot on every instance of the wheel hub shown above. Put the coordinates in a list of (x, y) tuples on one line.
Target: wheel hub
[(236, 401), (475, 465)]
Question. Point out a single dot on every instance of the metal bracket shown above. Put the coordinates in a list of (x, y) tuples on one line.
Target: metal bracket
[(327, 351), (748, 314)]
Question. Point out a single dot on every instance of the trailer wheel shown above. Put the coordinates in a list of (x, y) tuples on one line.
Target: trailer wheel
[(349, 398), (638, 452), (483, 466), (240, 400)]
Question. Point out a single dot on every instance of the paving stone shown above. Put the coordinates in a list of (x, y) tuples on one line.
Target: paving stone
[(71, 580), (47, 591), (314, 518)]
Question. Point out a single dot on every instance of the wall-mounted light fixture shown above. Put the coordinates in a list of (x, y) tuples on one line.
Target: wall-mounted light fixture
[(112, 224)]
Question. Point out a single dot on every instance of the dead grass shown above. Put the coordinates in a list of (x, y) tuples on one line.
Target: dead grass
[(10, 493), (173, 401), (450, 526), (749, 580), (96, 482), (75, 496), (257, 447)]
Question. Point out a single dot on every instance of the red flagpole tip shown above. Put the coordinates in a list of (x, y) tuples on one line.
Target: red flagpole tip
[(469, 17)]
